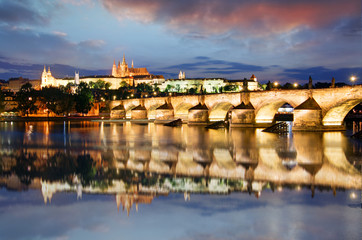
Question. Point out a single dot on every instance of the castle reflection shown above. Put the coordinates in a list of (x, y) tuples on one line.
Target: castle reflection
[(138, 162)]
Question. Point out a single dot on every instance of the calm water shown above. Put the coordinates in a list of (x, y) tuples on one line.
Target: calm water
[(91, 180)]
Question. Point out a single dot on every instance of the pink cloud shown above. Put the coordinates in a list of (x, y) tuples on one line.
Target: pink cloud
[(258, 18)]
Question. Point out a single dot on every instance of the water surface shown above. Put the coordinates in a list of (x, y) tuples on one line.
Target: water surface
[(91, 180)]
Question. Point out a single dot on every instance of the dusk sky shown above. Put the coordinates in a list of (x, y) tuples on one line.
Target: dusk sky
[(275, 40)]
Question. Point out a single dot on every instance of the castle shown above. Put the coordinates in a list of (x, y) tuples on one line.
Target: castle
[(121, 73), (122, 70)]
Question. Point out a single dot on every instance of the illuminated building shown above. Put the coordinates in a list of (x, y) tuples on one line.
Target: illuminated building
[(121, 73), (208, 85)]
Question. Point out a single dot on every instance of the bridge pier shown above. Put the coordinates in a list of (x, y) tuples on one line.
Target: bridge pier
[(243, 115), (308, 116), (198, 115), (164, 112), (118, 112), (139, 112)]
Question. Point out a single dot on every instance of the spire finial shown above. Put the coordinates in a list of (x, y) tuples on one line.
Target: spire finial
[(124, 59)]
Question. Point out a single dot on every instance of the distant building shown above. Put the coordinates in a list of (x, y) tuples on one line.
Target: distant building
[(208, 85), (14, 84), (122, 70), (121, 73), (182, 75)]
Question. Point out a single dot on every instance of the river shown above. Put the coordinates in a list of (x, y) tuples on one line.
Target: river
[(123, 180)]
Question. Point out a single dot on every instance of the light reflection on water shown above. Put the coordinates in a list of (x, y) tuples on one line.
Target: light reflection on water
[(147, 166)]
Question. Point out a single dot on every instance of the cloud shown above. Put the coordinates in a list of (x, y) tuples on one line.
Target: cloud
[(322, 74), (19, 12), (60, 34), (258, 18), (205, 65), (23, 46), (78, 2), (92, 43)]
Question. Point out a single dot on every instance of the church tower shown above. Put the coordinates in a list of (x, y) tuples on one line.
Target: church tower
[(114, 69), (124, 67), (182, 75), (253, 78), (44, 76), (47, 78), (76, 78)]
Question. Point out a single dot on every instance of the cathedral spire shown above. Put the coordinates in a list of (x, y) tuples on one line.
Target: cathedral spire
[(124, 60), (132, 63)]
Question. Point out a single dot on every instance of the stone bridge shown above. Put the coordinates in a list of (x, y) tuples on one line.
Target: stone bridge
[(314, 109)]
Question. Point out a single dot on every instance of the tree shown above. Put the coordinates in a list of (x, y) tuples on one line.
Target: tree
[(84, 98), (85, 168), (52, 97), (107, 85), (92, 84), (192, 91), (100, 84), (287, 86), (123, 89), (178, 88), (67, 104), (268, 86), (124, 84), (144, 87), (230, 87), (26, 99), (168, 88), (25, 167), (2, 101)]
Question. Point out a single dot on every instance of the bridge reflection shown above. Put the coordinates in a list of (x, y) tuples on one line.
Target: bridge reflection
[(131, 160)]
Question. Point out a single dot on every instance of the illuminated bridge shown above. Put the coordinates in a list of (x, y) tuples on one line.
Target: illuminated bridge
[(314, 109)]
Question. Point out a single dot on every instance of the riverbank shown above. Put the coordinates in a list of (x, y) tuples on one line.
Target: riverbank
[(51, 119)]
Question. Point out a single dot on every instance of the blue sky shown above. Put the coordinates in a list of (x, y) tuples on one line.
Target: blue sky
[(275, 40)]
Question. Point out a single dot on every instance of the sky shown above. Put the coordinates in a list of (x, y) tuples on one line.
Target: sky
[(281, 40)]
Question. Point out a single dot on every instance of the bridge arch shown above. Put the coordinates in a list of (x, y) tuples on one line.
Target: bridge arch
[(182, 110), (219, 111), (266, 112), (336, 114), (129, 110), (151, 111)]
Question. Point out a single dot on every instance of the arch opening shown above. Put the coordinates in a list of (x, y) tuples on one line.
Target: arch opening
[(151, 112), (336, 115), (267, 113), (219, 111), (182, 110), (129, 110)]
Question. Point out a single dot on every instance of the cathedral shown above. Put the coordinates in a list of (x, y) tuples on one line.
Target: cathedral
[(122, 70)]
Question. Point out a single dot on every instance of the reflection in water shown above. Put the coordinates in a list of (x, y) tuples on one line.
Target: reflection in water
[(138, 162)]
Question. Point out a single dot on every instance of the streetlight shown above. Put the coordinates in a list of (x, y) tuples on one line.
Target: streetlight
[(295, 84), (353, 79)]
